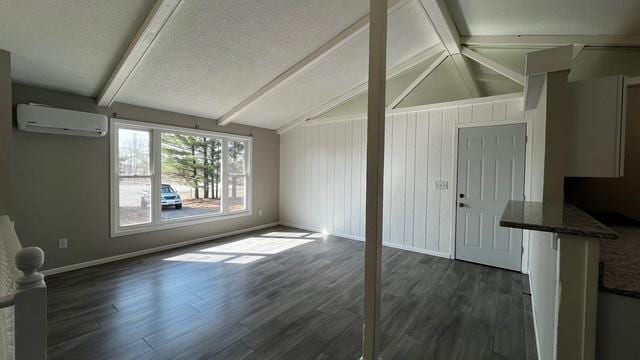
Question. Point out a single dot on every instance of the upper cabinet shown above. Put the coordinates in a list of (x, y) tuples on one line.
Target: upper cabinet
[(596, 128)]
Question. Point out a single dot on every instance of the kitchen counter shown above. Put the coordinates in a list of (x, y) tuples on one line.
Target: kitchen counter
[(555, 218)]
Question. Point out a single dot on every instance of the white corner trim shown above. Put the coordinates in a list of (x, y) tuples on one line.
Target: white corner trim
[(109, 259), (361, 238)]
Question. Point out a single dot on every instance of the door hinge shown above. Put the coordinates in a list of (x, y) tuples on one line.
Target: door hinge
[(526, 139)]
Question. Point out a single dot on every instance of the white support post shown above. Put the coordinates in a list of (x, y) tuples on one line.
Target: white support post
[(374, 178), (30, 306)]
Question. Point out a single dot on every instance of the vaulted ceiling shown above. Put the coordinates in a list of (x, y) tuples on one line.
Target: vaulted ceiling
[(276, 63)]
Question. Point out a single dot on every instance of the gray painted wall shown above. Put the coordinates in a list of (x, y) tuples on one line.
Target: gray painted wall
[(5, 134), (62, 184)]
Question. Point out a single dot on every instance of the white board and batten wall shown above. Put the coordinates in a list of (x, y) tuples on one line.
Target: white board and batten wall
[(322, 172)]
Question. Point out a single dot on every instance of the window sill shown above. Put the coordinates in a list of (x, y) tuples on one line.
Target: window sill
[(176, 223)]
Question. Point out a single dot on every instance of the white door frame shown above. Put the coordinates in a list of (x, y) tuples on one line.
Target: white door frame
[(527, 179)]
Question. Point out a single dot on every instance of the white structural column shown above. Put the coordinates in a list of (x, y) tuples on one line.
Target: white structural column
[(374, 178), (148, 32)]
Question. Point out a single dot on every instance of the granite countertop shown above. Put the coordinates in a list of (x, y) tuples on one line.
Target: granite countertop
[(555, 218)]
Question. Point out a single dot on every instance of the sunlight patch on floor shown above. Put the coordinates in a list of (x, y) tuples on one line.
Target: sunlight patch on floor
[(258, 245), (286, 234), (200, 257), (244, 259)]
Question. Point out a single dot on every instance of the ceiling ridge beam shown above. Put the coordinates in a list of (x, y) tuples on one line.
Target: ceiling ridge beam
[(159, 15), (360, 89), (524, 41), (493, 65), (308, 62), (441, 20), (418, 80)]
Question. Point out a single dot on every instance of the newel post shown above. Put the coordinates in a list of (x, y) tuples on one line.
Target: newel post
[(30, 306)]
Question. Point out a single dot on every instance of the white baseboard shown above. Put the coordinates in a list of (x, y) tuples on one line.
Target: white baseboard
[(533, 315), (360, 238), (151, 250)]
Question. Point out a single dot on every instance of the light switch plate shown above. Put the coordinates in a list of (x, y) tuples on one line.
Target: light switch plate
[(442, 185)]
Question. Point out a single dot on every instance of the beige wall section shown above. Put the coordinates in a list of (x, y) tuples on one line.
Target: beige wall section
[(6, 189), (618, 195), (62, 184)]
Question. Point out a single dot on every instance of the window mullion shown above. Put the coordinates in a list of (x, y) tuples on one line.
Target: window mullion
[(156, 176), (224, 201)]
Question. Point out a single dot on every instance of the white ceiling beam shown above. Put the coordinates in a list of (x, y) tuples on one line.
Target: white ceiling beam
[(533, 41), (465, 74), (361, 89), (416, 60), (441, 20), (308, 62), (160, 13), (499, 68), (418, 80)]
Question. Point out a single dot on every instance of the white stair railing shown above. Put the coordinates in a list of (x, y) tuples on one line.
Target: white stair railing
[(23, 299)]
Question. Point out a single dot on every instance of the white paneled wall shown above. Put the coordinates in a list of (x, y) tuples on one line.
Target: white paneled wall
[(322, 172)]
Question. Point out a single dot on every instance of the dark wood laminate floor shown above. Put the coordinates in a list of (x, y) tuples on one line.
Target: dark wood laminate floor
[(257, 296)]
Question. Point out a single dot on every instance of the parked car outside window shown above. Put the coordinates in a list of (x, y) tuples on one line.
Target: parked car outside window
[(168, 197)]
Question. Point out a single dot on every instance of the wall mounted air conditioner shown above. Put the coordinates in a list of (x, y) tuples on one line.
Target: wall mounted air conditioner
[(45, 119)]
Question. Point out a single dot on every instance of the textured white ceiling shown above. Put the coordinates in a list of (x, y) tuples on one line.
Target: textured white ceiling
[(70, 45), (345, 69), (212, 55), (546, 17)]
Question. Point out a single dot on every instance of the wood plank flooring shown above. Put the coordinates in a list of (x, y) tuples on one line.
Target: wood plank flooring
[(257, 296)]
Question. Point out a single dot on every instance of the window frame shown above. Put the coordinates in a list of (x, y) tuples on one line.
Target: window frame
[(155, 158)]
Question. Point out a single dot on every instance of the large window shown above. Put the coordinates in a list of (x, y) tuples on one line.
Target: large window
[(166, 176)]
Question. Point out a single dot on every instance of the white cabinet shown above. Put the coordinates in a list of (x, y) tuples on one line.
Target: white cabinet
[(596, 127)]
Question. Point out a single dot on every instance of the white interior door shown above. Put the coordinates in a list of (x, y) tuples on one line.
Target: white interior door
[(491, 162)]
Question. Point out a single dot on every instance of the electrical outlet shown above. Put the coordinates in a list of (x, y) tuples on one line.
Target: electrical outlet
[(260, 212), (62, 243), (442, 185)]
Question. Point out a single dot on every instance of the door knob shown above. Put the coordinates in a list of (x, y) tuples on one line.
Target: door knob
[(461, 196), (461, 205)]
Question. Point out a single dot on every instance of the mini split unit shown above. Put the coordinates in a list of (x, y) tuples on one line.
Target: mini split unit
[(45, 119)]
